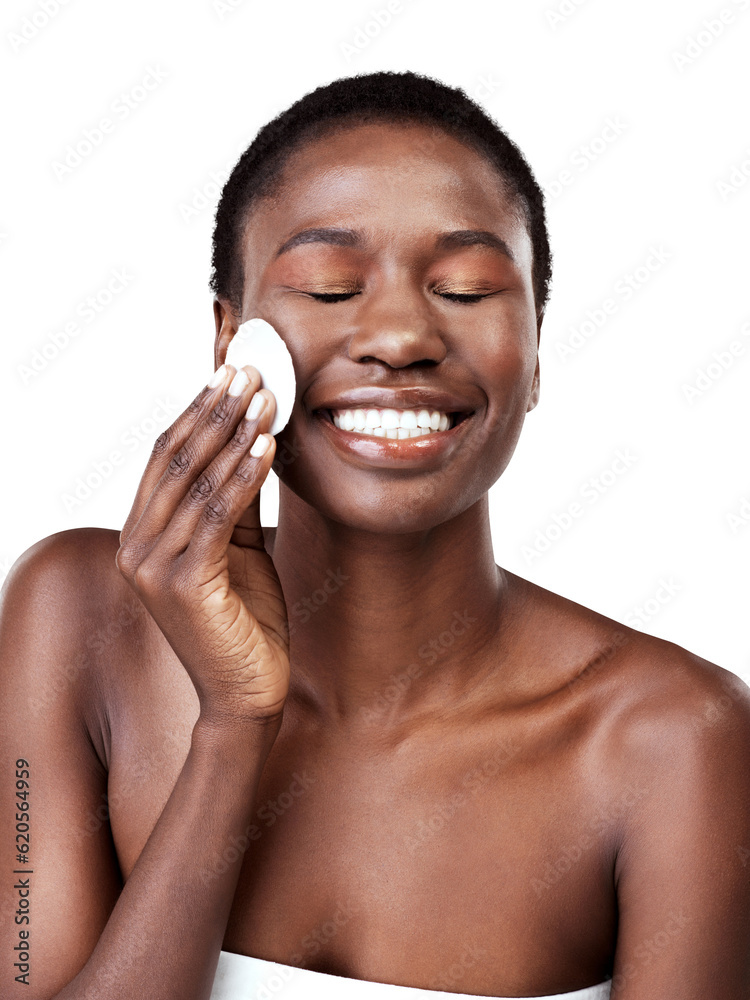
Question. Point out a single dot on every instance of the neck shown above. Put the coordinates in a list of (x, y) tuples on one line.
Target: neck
[(385, 627)]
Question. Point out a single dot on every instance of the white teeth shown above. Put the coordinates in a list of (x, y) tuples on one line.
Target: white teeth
[(391, 423), (360, 420)]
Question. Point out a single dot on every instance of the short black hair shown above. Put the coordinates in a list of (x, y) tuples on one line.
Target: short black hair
[(399, 97)]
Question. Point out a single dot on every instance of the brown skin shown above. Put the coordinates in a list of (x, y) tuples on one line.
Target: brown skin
[(563, 795)]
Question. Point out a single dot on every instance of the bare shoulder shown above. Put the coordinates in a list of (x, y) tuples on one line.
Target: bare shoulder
[(673, 731), (653, 702), (70, 575), (73, 553), (672, 706), (65, 598), (669, 717), (681, 689)]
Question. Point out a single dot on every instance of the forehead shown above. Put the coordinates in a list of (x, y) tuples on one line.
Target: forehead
[(398, 184)]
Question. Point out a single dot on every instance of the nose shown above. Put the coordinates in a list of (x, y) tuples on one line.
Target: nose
[(396, 326)]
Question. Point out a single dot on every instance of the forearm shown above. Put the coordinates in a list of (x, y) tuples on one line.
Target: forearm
[(164, 935)]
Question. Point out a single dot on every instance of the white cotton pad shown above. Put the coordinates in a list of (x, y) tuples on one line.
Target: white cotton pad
[(256, 343)]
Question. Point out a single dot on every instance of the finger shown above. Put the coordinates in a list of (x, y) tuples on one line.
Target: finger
[(220, 515), (248, 532), (187, 463), (178, 533), (172, 439)]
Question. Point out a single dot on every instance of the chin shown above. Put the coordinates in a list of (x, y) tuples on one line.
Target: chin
[(413, 505)]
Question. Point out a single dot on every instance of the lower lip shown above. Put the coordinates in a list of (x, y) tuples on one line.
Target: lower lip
[(403, 452)]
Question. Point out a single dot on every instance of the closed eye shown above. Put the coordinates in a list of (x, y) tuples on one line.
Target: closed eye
[(459, 297), (342, 296), (332, 296)]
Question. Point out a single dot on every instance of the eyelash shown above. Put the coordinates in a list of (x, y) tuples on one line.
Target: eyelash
[(342, 296), (331, 296), (458, 297)]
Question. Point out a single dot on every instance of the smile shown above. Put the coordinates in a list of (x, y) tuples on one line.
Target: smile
[(393, 423), (395, 447)]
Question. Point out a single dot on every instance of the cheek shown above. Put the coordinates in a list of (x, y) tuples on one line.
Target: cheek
[(505, 360), (505, 371), (511, 367), (310, 339)]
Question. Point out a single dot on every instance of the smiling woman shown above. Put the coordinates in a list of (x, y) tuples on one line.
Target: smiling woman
[(394, 768)]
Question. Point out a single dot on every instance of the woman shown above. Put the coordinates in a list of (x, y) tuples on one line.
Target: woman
[(465, 784)]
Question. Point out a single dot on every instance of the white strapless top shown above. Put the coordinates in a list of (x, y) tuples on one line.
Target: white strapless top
[(240, 977)]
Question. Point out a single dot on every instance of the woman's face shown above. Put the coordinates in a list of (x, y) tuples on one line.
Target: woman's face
[(425, 269)]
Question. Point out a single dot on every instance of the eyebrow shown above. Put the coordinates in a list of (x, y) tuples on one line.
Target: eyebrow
[(335, 236), (474, 237)]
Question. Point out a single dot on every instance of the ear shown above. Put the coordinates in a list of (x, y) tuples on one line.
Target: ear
[(534, 394), (226, 327)]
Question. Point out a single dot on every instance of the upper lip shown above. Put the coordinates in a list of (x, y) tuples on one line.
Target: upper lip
[(404, 398)]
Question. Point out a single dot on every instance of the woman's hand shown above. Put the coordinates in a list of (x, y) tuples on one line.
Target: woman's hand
[(192, 549)]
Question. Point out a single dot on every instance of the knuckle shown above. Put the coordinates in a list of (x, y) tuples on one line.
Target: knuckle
[(203, 487), (179, 464), (218, 417), (238, 442), (155, 575), (245, 474), (126, 561), (216, 510), (196, 405), (145, 576), (162, 443), (248, 471)]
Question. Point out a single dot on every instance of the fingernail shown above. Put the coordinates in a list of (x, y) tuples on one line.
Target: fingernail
[(256, 407), (238, 383), (260, 446), (218, 377)]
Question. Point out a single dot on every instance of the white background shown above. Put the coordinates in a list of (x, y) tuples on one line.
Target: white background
[(143, 202)]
